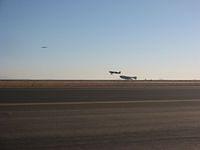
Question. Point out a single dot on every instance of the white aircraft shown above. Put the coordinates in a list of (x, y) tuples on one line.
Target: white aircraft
[(128, 77)]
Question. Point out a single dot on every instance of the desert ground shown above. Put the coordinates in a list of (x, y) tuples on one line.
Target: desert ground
[(100, 115)]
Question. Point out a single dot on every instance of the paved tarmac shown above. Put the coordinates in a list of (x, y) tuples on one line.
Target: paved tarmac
[(153, 118), (10, 95)]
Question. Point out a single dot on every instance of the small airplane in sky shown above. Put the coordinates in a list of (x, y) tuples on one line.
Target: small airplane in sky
[(115, 72), (128, 77), (44, 47)]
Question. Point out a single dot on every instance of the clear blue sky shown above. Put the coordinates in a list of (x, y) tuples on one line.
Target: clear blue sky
[(153, 39)]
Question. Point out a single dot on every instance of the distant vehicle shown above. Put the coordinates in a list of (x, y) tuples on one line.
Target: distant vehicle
[(128, 77), (115, 72), (44, 47)]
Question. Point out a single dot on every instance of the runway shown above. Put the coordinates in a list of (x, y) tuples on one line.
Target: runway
[(150, 118), (98, 102), (137, 93)]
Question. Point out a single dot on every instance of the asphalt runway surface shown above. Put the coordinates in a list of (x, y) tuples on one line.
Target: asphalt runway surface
[(143, 118)]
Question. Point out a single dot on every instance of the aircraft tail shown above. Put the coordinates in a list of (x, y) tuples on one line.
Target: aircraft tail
[(134, 77)]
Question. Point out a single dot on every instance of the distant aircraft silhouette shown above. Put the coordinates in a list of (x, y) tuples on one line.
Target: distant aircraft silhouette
[(115, 72), (44, 47), (128, 77)]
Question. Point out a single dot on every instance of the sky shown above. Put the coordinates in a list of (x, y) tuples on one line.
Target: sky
[(151, 39)]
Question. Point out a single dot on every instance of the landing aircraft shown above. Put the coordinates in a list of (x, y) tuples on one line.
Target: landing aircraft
[(128, 77), (115, 72)]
